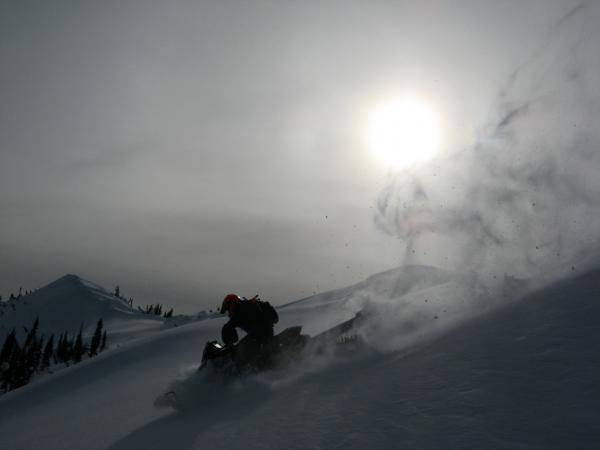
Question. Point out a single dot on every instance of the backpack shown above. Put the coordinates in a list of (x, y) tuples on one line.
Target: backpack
[(269, 312)]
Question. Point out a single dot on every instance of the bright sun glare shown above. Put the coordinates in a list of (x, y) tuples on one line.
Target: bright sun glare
[(404, 132)]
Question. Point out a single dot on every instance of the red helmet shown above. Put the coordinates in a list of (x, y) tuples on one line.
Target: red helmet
[(229, 300)]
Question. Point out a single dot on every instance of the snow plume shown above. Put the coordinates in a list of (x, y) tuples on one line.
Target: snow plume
[(411, 305), (525, 199)]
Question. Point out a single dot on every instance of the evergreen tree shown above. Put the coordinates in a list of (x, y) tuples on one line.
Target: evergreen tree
[(11, 375), (79, 347), (29, 358), (37, 353), (63, 351), (58, 349), (69, 348), (20, 370), (117, 291), (103, 345), (19, 364), (8, 347), (59, 352), (32, 335), (96, 339), (48, 352), (66, 348)]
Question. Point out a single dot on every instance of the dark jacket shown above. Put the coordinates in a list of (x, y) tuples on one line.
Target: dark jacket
[(256, 318)]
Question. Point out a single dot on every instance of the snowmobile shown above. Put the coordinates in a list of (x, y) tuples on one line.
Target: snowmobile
[(249, 356), (221, 364)]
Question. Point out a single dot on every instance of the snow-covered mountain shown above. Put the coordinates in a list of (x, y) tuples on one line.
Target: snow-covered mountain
[(71, 301), (523, 375)]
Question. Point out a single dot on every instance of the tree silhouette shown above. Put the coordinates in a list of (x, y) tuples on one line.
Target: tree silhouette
[(79, 347), (47, 355), (103, 345), (7, 349), (18, 363), (96, 339), (31, 336)]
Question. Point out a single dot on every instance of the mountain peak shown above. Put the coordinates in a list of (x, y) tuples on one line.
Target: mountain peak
[(69, 277), (64, 304)]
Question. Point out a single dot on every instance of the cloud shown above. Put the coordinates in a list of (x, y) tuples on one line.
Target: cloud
[(525, 198)]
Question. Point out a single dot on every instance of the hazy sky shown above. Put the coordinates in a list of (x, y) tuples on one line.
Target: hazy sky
[(185, 150)]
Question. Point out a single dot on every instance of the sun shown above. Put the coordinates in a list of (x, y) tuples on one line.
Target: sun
[(404, 132)]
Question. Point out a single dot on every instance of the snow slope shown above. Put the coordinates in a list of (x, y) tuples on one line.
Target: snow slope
[(523, 376)]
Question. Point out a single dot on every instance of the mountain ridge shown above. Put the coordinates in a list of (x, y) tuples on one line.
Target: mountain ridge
[(64, 304)]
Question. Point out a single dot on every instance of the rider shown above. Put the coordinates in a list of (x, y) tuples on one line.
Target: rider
[(253, 316)]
